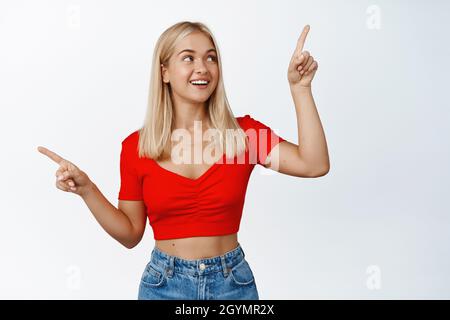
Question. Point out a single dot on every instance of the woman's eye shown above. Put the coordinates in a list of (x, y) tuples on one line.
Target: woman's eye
[(210, 56)]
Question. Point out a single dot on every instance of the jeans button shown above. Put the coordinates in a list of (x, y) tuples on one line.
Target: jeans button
[(202, 266)]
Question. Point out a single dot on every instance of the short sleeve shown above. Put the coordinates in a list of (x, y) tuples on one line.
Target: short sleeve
[(261, 137), (130, 182)]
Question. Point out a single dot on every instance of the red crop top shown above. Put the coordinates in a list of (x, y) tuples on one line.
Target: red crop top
[(179, 207)]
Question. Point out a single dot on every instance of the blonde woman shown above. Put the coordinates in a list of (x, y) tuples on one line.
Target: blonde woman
[(195, 207)]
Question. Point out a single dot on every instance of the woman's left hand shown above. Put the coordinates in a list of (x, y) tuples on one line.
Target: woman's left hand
[(302, 67)]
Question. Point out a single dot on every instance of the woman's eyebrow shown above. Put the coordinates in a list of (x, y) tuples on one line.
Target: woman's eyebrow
[(193, 51)]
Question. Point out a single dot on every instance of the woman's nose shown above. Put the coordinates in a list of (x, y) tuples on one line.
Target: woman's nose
[(200, 65)]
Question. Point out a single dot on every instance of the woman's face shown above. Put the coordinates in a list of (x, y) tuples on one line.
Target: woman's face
[(194, 58)]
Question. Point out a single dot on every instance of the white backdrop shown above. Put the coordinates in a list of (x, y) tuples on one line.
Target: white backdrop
[(74, 78)]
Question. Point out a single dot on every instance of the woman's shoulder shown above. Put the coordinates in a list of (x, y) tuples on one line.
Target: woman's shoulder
[(244, 117), (247, 121), (131, 139), (244, 120)]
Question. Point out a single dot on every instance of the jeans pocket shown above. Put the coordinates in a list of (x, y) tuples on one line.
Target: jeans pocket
[(242, 273), (153, 275)]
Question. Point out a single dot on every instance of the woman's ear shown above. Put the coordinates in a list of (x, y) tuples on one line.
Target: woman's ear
[(164, 73)]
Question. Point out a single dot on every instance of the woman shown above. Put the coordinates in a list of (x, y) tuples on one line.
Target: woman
[(195, 208)]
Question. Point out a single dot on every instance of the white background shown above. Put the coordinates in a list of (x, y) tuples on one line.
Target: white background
[(74, 78)]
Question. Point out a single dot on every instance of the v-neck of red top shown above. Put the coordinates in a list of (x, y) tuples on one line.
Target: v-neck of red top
[(179, 176)]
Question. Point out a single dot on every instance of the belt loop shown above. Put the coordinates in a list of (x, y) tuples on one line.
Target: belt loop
[(225, 268), (243, 253), (151, 254), (170, 266)]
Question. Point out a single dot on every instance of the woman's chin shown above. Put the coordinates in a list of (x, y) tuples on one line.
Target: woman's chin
[(200, 98)]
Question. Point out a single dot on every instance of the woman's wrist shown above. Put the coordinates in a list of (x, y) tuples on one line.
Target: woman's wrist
[(297, 87), (88, 190)]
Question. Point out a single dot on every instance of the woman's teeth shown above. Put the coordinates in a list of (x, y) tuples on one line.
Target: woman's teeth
[(199, 82)]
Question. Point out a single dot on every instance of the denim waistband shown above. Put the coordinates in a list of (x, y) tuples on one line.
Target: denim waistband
[(224, 262)]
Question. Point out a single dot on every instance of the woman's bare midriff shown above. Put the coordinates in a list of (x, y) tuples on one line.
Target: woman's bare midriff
[(198, 247)]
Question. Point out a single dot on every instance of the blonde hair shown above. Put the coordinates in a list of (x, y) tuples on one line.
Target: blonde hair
[(154, 135)]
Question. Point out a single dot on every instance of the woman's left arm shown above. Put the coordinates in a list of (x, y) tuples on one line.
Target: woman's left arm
[(310, 157)]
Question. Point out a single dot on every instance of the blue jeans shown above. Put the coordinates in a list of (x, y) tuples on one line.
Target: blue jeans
[(223, 277)]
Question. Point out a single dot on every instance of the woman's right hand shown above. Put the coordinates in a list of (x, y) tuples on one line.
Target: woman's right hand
[(69, 177)]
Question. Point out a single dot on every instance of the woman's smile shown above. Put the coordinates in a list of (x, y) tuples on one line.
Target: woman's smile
[(199, 86)]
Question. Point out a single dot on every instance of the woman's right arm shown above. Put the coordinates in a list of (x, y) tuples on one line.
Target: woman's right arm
[(126, 224)]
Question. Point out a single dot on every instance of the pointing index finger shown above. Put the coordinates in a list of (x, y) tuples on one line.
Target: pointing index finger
[(302, 38), (52, 155)]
